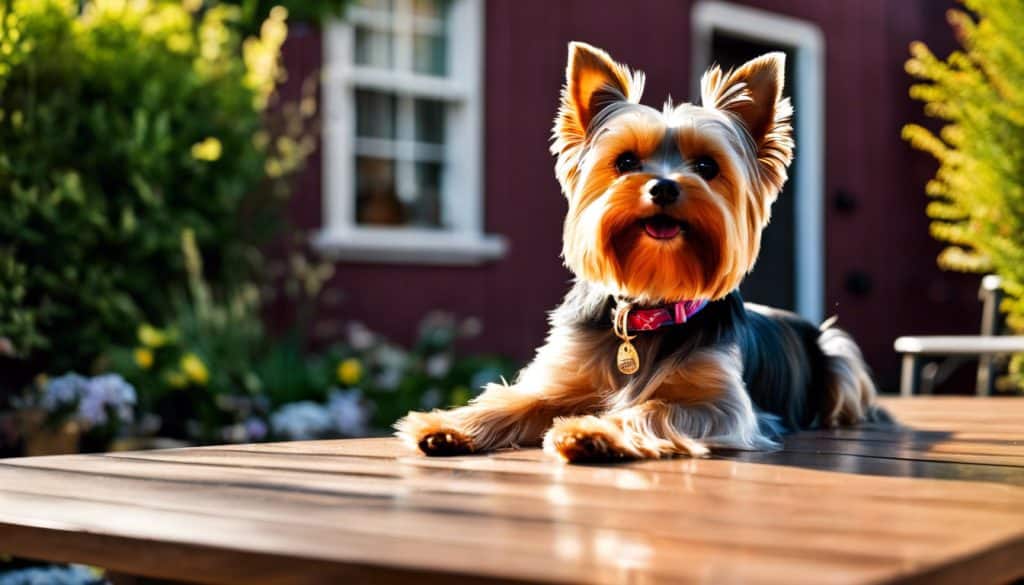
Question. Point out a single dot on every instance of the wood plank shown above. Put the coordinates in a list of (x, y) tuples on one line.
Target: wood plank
[(876, 504), (597, 495), (467, 524), (1009, 456), (568, 555), (161, 544), (721, 478), (946, 514)]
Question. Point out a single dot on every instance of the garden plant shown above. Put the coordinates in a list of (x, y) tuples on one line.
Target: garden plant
[(977, 194)]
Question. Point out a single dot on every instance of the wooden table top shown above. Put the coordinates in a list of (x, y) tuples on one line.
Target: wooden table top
[(943, 502)]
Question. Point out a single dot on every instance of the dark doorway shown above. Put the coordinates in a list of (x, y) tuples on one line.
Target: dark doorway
[(773, 281)]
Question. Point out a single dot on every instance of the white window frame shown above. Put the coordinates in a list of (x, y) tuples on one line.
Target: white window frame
[(808, 44), (462, 240)]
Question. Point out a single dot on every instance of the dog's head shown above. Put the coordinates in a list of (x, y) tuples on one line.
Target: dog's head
[(669, 205)]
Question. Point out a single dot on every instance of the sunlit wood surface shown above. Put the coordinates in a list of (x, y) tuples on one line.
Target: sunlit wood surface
[(939, 501)]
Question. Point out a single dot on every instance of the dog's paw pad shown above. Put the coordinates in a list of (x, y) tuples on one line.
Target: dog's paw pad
[(445, 444), (589, 448)]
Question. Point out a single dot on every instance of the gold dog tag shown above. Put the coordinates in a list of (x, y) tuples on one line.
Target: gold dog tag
[(627, 360)]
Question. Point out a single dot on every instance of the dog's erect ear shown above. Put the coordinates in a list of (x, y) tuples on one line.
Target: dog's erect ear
[(753, 93), (593, 81)]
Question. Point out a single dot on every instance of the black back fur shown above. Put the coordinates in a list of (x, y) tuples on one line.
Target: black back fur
[(783, 365)]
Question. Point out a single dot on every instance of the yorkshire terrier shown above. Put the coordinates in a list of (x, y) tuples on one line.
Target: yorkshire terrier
[(653, 353)]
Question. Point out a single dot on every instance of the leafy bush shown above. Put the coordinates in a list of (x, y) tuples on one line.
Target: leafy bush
[(211, 376), (194, 375), (977, 194), (313, 12), (121, 125)]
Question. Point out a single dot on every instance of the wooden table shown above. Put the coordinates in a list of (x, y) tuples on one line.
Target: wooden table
[(941, 503)]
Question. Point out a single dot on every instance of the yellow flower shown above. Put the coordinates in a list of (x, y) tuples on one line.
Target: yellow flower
[(350, 371), (176, 380), (143, 357), (179, 42), (208, 150), (150, 336), (195, 369)]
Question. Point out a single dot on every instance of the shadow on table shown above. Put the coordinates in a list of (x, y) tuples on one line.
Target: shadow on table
[(895, 451)]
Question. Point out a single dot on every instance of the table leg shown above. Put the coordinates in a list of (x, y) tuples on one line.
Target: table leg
[(908, 377), (983, 386)]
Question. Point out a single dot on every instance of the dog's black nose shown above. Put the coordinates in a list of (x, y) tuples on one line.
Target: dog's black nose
[(664, 192)]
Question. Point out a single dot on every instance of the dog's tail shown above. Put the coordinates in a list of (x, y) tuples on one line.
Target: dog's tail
[(851, 393)]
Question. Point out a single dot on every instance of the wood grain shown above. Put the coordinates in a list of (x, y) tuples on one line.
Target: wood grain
[(935, 499)]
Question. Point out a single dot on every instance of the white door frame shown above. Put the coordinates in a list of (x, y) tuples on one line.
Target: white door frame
[(808, 45)]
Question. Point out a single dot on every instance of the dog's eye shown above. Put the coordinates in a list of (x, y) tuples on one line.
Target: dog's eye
[(706, 167), (627, 162)]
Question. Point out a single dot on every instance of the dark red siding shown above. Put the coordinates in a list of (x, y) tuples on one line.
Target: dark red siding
[(885, 237)]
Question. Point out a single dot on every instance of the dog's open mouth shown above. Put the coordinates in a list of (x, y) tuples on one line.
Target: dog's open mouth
[(663, 227)]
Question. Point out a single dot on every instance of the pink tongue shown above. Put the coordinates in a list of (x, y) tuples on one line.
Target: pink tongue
[(662, 230)]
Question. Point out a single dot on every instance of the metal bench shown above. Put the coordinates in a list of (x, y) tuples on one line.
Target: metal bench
[(958, 348)]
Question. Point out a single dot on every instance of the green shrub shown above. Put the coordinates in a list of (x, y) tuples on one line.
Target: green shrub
[(309, 11), (121, 125), (977, 194), (195, 372), (210, 375)]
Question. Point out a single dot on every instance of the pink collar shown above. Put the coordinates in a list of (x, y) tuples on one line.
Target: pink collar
[(665, 315)]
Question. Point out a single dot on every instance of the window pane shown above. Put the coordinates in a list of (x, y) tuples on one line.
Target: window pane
[(425, 210), (430, 37), (375, 192), (430, 55), (380, 201), (374, 48), (431, 8), (430, 121), (375, 114), (381, 5)]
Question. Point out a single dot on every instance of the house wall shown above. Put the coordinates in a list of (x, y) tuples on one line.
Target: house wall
[(881, 277)]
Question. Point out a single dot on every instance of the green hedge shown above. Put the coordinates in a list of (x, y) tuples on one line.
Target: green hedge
[(121, 125)]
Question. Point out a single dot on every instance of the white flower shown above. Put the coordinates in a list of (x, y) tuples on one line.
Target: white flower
[(253, 429), (348, 412), (301, 421), (438, 365), (438, 328), (233, 433), (389, 379), (471, 327), (389, 356), (359, 337)]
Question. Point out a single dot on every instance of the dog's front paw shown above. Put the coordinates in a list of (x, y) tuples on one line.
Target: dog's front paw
[(588, 439), (432, 434), (445, 443)]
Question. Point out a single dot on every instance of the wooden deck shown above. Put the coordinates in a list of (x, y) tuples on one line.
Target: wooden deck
[(943, 502)]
